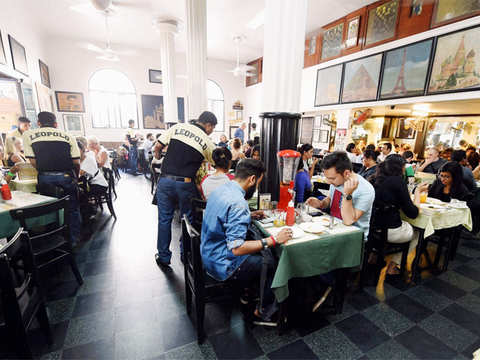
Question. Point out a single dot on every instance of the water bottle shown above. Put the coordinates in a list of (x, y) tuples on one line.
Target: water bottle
[(290, 220), (6, 193)]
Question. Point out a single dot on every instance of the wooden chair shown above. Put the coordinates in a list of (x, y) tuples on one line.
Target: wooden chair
[(106, 197), (21, 299), (51, 243), (200, 288), (198, 207)]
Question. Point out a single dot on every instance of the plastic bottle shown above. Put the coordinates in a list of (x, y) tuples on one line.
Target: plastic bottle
[(290, 220), (6, 193)]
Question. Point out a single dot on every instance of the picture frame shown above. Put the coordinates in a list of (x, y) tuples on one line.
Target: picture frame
[(328, 86), (405, 70), (353, 29), (69, 101), (332, 41), (73, 124), (382, 22), (402, 132), (324, 134), (448, 11), (155, 76), (19, 56), (459, 47), (318, 122), (387, 123), (361, 79), (153, 111), (45, 102), (44, 73), (27, 97), (3, 56), (316, 136), (231, 131)]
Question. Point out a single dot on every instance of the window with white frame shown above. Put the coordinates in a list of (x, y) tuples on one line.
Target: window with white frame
[(112, 99), (216, 103)]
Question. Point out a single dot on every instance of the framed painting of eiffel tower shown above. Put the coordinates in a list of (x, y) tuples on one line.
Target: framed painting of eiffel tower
[(405, 70)]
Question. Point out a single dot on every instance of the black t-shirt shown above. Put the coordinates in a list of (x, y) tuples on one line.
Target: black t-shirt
[(53, 149), (188, 146), (435, 166)]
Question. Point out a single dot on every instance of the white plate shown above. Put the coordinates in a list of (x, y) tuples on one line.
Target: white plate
[(313, 227)]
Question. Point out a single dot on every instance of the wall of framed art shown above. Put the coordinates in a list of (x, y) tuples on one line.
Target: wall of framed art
[(361, 78)]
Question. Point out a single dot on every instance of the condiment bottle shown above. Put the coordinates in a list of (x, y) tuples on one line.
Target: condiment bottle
[(6, 193), (290, 214)]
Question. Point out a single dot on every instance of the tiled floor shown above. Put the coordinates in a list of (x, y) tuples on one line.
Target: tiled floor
[(129, 309)]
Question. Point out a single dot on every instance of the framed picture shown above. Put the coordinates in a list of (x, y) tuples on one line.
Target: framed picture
[(353, 26), (326, 120), (324, 136), (316, 136), (387, 122), (332, 41), (155, 76), (404, 132), (307, 130), (360, 79), (44, 99), (257, 72), (3, 57), (153, 115), (68, 101), (232, 130), (405, 70), (447, 11), (73, 124), (27, 95), (382, 22), (328, 85), (19, 56), (455, 63), (318, 122), (44, 73)]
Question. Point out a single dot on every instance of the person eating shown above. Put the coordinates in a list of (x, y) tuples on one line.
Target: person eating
[(369, 161), (350, 196)]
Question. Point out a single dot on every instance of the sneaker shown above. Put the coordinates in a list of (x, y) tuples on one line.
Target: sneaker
[(263, 322), (322, 299), (160, 262)]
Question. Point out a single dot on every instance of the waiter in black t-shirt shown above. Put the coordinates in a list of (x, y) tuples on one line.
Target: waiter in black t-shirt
[(55, 155), (188, 146)]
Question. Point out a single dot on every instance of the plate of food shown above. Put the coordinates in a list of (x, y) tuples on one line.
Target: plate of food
[(313, 227)]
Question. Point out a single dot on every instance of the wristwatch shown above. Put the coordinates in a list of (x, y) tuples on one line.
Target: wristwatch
[(264, 244), (348, 197)]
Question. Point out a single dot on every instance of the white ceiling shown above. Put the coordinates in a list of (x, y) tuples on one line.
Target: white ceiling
[(132, 26)]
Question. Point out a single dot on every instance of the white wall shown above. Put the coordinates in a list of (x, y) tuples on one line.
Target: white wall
[(16, 20), (253, 94), (71, 68)]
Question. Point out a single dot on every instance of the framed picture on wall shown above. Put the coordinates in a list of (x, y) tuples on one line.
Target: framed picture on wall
[(73, 124), (447, 11), (231, 131), (44, 73), (328, 85), (353, 26), (27, 94), (3, 57), (382, 22), (332, 41), (360, 79), (405, 70), (155, 76), (455, 62), (19, 56), (316, 136), (404, 132), (324, 136), (387, 122), (44, 98), (68, 101)]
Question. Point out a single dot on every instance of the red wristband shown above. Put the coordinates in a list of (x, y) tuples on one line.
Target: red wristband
[(273, 240)]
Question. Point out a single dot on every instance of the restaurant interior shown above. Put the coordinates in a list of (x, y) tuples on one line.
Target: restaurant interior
[(255, 179)]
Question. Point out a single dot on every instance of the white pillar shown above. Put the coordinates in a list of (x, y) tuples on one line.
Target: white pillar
[(283, 51), (196, 11), (167, 30)]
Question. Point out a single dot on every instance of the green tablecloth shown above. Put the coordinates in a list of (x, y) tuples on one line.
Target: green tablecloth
[(8, 226), (315, 257), (437, 220)]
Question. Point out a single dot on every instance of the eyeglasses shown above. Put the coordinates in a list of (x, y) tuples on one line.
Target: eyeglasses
[(445, 176)]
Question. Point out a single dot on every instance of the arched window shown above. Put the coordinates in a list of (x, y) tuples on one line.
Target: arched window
[(112, 98), (216, 103)]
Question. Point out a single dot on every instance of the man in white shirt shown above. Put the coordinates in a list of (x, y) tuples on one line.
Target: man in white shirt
[(148, 145), (386, 150)]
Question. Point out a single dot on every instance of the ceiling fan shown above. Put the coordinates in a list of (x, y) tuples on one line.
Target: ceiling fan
[(241, 69), (107, 53), (110, 7)]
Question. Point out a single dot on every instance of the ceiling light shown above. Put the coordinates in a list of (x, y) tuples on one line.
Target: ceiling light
[(257, 21)]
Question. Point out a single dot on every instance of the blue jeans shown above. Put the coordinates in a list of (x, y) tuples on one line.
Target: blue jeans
[(132, 158), (169, 194), (70, 187), (259, 269)]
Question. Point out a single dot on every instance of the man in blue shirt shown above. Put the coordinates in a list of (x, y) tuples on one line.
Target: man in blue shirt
[(225, 251), (351, 196), (240, 132)]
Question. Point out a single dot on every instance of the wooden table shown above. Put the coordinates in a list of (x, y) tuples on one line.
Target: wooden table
[(21, 199)]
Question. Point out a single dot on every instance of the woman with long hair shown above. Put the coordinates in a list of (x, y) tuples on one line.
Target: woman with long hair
[(391, 196), (306, 152), (222, 157), (449, 184)]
